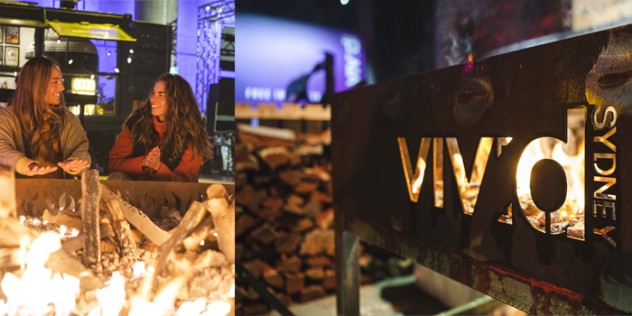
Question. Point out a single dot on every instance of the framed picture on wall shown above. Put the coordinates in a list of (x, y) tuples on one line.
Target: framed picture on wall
[(12, 34), (1, 34), (11, 56)]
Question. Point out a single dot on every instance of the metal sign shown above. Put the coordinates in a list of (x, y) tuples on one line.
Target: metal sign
[(86, 86), (100, 31), (509, 174)]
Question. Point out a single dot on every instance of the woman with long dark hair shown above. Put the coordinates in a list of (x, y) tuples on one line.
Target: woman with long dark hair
[(39, 136), (165, 138)]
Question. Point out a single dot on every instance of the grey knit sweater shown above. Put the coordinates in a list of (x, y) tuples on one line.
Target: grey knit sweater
[(74, 142)]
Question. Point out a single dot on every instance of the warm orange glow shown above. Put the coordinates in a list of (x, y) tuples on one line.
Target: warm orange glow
[(36, 290), (469, 187), (418, 178), (437, 167), (569, 218), (111, 297), (139, 270), (414, 179)]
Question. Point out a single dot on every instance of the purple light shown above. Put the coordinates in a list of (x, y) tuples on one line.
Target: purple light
[(271, 53)]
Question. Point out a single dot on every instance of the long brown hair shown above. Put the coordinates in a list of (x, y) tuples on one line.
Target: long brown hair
[(41, 123), (183, 121)]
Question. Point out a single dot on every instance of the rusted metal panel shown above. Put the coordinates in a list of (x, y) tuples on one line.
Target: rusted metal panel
[(33, 196), (432, 166), (507, 285)]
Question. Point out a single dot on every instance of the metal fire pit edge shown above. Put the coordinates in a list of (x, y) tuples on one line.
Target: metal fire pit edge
[(33, 196)]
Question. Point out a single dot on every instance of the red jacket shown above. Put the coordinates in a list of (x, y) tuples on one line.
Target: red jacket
[(121, 160)]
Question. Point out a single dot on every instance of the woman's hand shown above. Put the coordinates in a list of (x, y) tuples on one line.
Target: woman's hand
[(152, 159), (35, 169), (73, 165)]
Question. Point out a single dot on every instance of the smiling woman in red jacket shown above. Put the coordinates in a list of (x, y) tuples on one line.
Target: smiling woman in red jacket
[(165, 139)]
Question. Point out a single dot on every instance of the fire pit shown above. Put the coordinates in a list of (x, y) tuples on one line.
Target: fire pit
[(508, 174), (95, 247)]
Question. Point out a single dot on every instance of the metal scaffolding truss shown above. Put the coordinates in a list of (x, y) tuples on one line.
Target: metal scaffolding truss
[(228, 42), (212, 18)]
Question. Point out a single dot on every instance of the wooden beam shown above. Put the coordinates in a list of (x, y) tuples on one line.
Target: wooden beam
[(7, 194), (91, 199)]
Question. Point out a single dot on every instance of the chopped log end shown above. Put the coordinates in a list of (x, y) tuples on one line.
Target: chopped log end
[(329, 282), (273, 278), (311, 292), (291, 264), (294, 283), (216, 191)]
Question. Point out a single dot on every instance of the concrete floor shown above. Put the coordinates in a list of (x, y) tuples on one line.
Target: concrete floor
[(395, 296), (402, 296), (216, 178)]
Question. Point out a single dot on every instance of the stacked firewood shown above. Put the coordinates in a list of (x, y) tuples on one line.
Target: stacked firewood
[(194, 260), (285, 217)]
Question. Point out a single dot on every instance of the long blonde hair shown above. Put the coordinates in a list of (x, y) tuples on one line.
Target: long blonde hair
[(41, 123)]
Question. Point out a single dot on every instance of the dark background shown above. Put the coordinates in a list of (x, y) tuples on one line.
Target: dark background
[(408, 37), (398, 35)]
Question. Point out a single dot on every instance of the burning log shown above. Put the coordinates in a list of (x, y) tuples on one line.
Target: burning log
[(200, 272), (209, 265), (194, 228), (14, 235), (122, 231), (223, 214), (137, 218), (61, 261), (91, 197), (73, 244), (192, 243), (12, 232), (191, 219), (67, 218)]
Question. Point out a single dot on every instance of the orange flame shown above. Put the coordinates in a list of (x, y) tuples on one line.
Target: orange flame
[(571, 155), (36, 290)]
